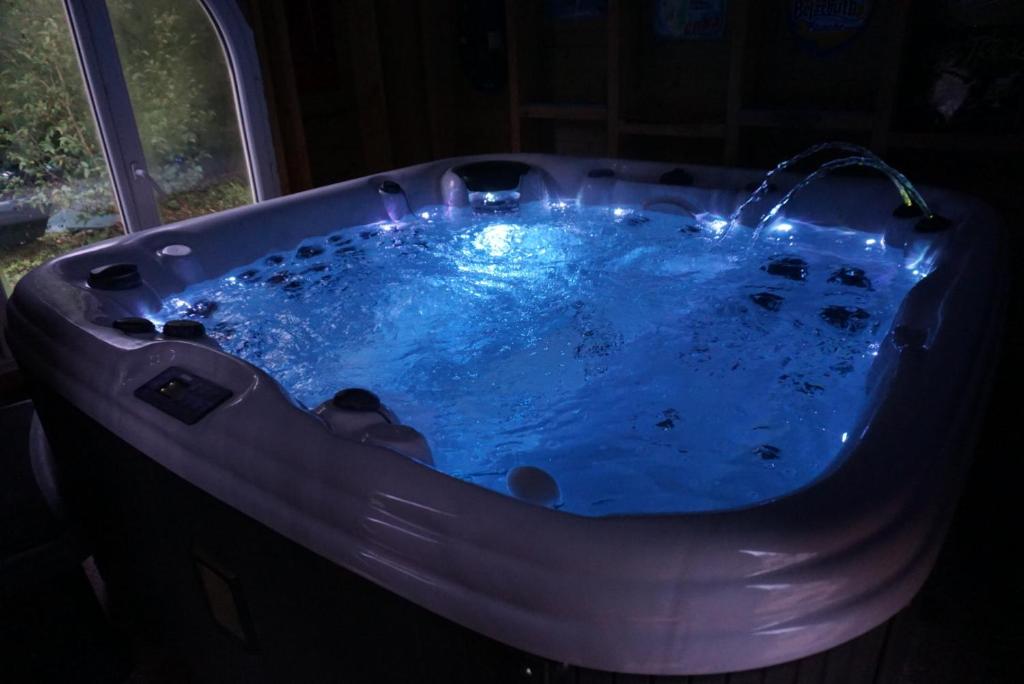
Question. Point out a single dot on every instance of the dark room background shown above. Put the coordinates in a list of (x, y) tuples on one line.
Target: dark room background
[(361, 86)]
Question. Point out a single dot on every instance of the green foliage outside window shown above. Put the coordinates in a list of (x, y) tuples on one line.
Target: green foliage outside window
[(50, 156)]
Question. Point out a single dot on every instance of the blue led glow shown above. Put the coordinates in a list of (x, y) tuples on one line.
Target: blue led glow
[(497, 240), (645, 364)]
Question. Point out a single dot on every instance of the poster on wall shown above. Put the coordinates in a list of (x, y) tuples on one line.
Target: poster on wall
[(575, 10), (823, 26), (689, 19)]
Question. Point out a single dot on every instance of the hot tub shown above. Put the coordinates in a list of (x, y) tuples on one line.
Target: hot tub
[(725, 454)]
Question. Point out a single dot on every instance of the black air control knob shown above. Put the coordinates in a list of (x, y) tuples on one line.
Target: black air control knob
[(356, 399), (134, 325), (184, 329), (114, 277)]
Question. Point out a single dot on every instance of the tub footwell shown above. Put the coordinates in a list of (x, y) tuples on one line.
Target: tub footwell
[(232, 600)]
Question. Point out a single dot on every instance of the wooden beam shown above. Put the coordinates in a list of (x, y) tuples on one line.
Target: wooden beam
[(276, 56), (734, 93), (435, 22), (889, 79), (357, 20), (512, 16), (981, 143), (614, 84), (696, 130), (563, 112), (806, 118)]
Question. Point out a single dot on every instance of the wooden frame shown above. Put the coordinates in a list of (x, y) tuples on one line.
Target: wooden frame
[(875, 122)]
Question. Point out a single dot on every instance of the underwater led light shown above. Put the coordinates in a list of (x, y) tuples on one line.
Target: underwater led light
[(920, 261), (782, 227), (497, 239), (497, 201), (177, 307), (620, 212), (714, 223), (870, 241)]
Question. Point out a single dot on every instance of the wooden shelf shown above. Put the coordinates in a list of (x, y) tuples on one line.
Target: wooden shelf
[(802, 118), (958, 142), (685, 130), (564, 112), (522, 47), (876, 123)]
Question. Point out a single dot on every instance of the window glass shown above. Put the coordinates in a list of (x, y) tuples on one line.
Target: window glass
[(55, 193), (182, 97)]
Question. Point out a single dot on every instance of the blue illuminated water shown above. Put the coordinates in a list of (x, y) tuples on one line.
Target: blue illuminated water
[(648, 367)]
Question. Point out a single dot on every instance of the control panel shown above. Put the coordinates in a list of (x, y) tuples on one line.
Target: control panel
[(182, 394)]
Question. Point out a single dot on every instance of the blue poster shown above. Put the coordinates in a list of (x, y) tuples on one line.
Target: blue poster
[(689, 19), (574, 10), (826, 25)]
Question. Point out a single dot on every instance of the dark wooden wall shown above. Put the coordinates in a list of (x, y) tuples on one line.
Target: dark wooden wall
[(361, 86)]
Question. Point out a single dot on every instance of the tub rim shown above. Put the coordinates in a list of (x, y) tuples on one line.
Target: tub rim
[(911, 510)]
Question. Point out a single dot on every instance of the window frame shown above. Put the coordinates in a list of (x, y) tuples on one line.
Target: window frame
[(239, 45), (107, 92)]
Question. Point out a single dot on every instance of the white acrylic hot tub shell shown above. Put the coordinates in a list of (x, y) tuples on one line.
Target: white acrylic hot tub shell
[(693, 593)]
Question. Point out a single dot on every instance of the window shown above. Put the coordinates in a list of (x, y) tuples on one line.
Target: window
[(55, 193), (169, 123), (180, 90)]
